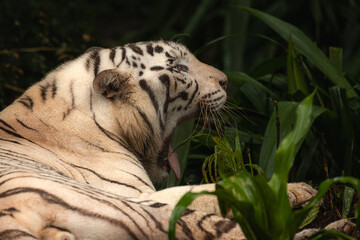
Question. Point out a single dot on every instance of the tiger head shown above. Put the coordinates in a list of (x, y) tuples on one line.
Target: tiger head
[(155, 87)]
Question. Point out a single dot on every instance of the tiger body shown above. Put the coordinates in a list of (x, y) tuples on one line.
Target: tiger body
[(80, 149)]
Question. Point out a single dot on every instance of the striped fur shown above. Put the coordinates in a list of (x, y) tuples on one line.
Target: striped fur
[(80, 149)]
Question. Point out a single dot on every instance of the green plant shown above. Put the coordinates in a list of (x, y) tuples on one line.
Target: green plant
[(225, 160), (262, 207), (306, 67)]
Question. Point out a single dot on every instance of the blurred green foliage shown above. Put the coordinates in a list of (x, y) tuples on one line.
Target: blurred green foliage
[(39, 35)]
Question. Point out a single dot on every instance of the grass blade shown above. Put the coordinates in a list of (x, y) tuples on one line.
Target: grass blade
[(347, 199), (304, 46), (296, 78), (287, 112)]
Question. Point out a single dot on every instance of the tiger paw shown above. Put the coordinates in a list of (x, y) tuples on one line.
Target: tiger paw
[(343, 226), (300, 194), (51, 233)]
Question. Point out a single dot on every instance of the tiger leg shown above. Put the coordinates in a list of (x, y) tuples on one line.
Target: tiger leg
[(39, 206), (299, 194)]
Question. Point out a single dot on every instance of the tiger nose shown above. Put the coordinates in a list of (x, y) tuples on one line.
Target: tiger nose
[(221, 78), (223, 83)]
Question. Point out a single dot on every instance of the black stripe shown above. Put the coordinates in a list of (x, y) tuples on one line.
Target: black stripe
[(7, 125), (87, 64), (182, 68), (224, 226), (166, 81), (129, 206), (159, 49), (217, 99), (150, 49), (92, 49), (112, 55), (157, 223), (27, 102), (69, 110), (141, 180), (167, 54), (186, 229), (183, 95), (7, 140), (52, 199), (146, 120), (12, 234), (123, 54), (180, 80), (59, 228), (143, 84), (43, 90), (8, 154), (21, 137), (193, 95), (26, 126), (208, 235), (115, 138), (9, 211), (53, 89), (109, 180), (157, 205), (96, 63), (91, 99), (156, 68), (95, 57), (12, 133), (136, 49)]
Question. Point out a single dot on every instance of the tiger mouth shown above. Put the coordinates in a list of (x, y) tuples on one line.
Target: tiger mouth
[(168, 160)]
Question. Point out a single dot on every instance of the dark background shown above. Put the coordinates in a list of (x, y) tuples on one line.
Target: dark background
[(39, 35)]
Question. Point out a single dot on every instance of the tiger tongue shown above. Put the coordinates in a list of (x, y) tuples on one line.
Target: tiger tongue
[(174, 163)]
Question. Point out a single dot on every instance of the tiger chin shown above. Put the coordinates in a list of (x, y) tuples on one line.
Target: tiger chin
[(80, 150)]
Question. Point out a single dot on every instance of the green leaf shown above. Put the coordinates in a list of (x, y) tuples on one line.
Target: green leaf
[(311, 216), (268, 149), (335, 55), (305, 46), (287, 116), (241, 78), (295, 75), (255, 205), (285, 155), (347, 199), (268, 67), (323, 188)]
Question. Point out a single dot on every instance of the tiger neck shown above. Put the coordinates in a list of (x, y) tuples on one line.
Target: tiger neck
[(104, 127)]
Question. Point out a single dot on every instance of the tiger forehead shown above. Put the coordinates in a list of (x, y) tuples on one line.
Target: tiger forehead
[(169, 49)]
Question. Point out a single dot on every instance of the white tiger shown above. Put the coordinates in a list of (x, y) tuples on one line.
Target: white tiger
[(79, 150)]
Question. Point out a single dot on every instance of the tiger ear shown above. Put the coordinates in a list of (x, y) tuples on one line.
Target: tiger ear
[(112, 83)]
